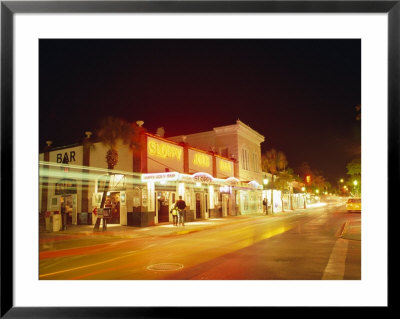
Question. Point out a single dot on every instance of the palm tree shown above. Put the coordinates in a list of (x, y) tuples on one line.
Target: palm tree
[(273, 162), (112, 132)]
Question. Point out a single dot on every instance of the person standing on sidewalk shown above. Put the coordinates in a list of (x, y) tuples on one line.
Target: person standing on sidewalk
[(181, 205), (265, 204), (63, 216), (174, 212)]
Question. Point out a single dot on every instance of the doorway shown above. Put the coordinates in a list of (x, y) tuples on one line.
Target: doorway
[(198, 205), (68, 202), (225, 204), (163, 206), (113, 201)]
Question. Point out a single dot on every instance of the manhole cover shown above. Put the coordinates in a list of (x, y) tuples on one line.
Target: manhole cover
[(165, 267)]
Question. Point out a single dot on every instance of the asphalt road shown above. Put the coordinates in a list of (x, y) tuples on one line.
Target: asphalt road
[(316, 244)]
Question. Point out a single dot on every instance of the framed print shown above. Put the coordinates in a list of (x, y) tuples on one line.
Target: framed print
[(347, 48)]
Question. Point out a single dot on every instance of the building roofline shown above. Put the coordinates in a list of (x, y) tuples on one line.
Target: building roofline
[(239, 124)]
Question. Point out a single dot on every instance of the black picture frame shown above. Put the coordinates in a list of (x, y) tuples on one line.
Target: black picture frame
[(9, 8)]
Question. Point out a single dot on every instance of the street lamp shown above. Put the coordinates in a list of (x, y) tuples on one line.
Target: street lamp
[(355, 183), (340, 185)]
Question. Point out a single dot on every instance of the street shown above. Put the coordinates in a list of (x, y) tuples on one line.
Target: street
[(319, 243)]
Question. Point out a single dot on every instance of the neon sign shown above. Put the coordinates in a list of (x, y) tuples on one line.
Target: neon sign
[(201, 160), (163, 150), (225, 166), (203, 178)]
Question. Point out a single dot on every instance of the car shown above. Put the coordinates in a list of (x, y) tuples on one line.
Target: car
[(353, 204)]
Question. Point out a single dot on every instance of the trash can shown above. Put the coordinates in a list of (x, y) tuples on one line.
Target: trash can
[(56, 221), (83, 218), (49, 220), (89, 219)]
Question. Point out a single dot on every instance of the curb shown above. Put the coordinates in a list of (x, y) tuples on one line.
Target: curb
[(49, 236), (344, 228)]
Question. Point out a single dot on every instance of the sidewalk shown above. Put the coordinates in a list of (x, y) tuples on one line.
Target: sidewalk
[(162, 229)]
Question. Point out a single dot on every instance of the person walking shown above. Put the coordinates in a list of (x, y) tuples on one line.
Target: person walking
[(174, 212), (265, 203), (63, 216), (181, 205)]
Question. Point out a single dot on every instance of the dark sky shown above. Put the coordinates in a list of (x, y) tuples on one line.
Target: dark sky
[(300, 94)]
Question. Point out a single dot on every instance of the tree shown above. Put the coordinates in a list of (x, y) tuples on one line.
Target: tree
[(273, 162), (284, 183), (328, 187), (354, 170), (304, 171), (319, 182), (112, 132)]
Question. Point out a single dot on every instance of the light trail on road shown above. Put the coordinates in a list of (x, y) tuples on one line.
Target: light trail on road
[(84, 266)]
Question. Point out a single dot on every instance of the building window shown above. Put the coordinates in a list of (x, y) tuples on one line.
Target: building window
[(245, 159), (255, 162), (224, 152)]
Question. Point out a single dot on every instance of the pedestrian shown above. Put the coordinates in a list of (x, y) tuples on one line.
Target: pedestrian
[(174, 212), (107, 213), (63, 216), (265, 203), (181, 205)]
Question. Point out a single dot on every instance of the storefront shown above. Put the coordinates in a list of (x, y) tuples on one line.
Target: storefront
[(142, 188), (250, 197), (205, 196)]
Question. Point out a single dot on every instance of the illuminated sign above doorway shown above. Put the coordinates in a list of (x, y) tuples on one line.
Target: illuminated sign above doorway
[(201, 160), (203, 178), (157, 177), (163, 149)]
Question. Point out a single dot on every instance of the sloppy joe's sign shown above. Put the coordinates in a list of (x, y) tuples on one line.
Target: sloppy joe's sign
[(224, 168), (173, 176), (163, 149), (203, 178), (201, 160)]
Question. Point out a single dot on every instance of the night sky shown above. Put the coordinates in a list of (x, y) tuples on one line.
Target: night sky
[(300, 94)]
